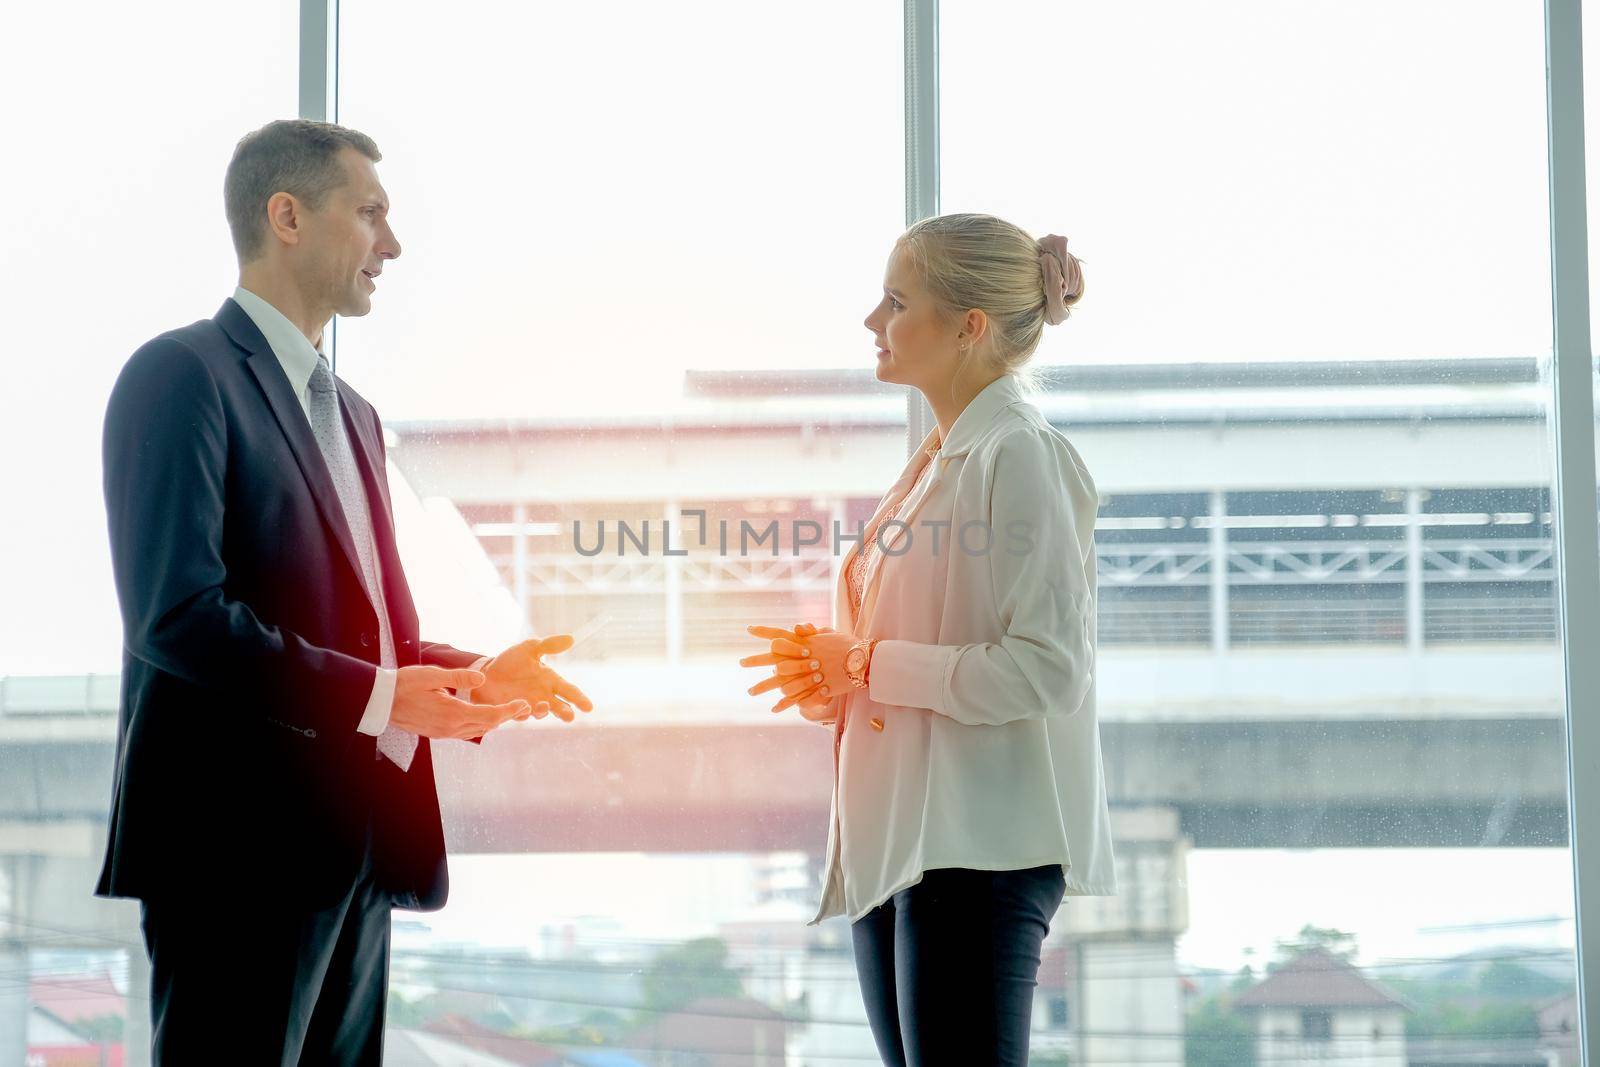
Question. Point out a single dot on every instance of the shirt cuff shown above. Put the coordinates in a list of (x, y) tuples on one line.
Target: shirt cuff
[(476, 665), (909, 674), (380, 705)]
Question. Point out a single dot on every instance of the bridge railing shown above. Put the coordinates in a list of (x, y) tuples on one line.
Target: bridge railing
[(1369, 591)]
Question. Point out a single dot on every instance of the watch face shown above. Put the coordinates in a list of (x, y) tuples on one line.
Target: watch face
[(853, 659)]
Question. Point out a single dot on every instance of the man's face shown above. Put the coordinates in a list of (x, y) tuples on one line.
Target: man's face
[(348, 239)]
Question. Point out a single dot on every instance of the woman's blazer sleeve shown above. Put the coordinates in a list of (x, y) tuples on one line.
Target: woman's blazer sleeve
[(1037, 566)]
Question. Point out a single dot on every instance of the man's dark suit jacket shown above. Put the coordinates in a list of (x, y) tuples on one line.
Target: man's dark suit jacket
[(250, 643)]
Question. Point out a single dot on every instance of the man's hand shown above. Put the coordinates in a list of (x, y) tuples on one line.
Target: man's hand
[(519, 673), (423, 707)]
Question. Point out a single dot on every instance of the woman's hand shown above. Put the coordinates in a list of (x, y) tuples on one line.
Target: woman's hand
[(807, 662)]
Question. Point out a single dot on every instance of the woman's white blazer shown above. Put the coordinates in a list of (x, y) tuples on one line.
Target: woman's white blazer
[(984, 675)]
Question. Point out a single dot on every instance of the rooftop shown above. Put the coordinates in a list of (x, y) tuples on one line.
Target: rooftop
[(1318, 979)]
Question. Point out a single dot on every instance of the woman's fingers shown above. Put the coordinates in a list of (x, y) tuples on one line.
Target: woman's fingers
[(788, 668), (802, 684), (818, 699), (768, 633), (782, 646), (767, 659), (791, 701), (790, 683), (765, 685)]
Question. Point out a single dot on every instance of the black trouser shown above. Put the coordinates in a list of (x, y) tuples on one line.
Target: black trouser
[(265, 987), (948, 966)]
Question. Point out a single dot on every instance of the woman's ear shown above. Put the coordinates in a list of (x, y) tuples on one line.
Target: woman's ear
[(975, 326)]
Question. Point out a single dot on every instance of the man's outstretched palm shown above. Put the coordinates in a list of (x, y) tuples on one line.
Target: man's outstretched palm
[(519, 673)]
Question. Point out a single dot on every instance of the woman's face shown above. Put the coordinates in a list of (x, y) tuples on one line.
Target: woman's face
[(916, 345)]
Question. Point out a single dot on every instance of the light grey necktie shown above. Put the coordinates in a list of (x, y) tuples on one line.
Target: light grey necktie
[(328, 426)]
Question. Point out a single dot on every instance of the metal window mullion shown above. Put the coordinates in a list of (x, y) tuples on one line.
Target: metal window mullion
[(319, 90), (1576, 534), (922, 155), (1217, 539), (1416, 564), (319, 60)]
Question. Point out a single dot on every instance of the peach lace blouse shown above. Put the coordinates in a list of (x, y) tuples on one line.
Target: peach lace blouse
[(861, 563)]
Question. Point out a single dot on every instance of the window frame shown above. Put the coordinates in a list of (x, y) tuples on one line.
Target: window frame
[(1571, 399)]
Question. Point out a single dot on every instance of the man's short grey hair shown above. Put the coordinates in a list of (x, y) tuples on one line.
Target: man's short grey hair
[(295, 156)]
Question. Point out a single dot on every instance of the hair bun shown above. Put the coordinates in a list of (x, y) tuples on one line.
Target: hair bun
[(1063, 278)]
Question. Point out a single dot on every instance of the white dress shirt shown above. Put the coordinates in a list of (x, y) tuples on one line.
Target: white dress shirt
[(983, 676), (298, 359)]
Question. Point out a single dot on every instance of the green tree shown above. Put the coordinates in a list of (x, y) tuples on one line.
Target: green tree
[(1216, 1036), (685, 973), (1334, 942), (1497, 1022), (1511, 981)]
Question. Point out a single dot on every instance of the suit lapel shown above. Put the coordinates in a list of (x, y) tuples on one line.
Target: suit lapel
[(292, 420)]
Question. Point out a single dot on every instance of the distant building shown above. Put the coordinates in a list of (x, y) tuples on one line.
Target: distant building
[(715, 1032), (1317, 1007), (62, 1022), (443, 1041), (1115, 997)]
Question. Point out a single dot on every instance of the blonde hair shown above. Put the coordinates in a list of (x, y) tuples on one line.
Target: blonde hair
[(978, 261)]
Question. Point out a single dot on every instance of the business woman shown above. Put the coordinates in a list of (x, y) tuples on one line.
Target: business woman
[(959, 683)]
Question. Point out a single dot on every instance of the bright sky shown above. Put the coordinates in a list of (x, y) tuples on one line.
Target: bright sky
[(594, 198)]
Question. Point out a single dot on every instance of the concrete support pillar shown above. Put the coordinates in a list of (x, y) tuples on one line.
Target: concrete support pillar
[(1219, 571), (1130, 1002)]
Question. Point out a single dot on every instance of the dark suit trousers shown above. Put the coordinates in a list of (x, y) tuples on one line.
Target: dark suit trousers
[(269, 987)]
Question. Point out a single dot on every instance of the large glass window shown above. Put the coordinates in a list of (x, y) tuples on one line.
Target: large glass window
[(628, 396), (639, 242), (1309, 376), (122, 122)]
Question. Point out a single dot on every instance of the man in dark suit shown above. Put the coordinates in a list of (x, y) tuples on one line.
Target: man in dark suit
[(274, 793)]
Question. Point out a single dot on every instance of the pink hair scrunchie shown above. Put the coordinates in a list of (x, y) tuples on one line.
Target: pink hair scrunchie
[(1063, 279)]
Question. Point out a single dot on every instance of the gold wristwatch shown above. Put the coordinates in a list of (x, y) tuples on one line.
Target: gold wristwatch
[(858, 661)]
